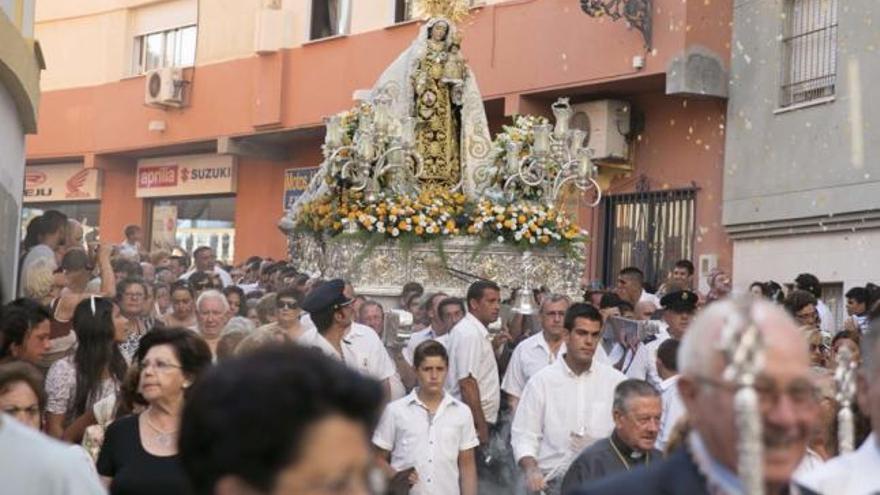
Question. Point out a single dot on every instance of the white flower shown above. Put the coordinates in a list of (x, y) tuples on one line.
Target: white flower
[(531, 240), (517, 236), (500, 239), (395, 232), (498, 225), (380, 226)]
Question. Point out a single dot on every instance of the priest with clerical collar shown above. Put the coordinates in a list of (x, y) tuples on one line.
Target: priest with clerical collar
[(636, 410)]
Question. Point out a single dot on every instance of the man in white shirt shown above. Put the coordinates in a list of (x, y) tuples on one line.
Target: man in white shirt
[(437, 330), (631, 287), (673, 409), (566, 406), (536, 352), (855, 473), (426, 440), (131, 247), (206, 261), (678, 310), (338, 336), (473, 372)]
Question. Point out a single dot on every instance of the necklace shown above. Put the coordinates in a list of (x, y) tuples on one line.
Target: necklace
[(165, 439), (623, 459)]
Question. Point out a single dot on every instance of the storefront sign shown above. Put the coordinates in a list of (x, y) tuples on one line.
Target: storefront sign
[(190, 175), (296, 181), (164, 233), (61, 182)]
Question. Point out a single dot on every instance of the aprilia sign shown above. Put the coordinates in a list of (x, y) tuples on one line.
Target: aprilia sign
[(186, 175)]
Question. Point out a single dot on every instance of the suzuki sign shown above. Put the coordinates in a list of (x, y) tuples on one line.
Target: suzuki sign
[(190, 175), (61, 182)]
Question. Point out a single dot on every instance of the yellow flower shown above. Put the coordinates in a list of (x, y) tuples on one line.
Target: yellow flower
[(419, 230), (450, 225)]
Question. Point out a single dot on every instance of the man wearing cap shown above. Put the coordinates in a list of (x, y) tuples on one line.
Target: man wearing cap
[(336, 334), (678, 308)]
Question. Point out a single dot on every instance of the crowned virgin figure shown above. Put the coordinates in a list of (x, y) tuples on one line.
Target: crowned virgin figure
[(431, 82)]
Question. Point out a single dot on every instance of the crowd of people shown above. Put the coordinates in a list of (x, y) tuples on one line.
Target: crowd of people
[(160, 372)]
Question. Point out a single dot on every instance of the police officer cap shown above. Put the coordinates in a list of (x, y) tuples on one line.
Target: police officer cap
[(326, 296), (679, 301)]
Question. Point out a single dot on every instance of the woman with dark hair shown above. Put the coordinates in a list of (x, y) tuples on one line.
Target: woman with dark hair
[(93, 371), (757, 289), (139, 454), (235, 297), (21, 393), (183, 307)]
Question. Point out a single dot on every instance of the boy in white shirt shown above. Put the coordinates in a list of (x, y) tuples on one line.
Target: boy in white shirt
[(426, 440)]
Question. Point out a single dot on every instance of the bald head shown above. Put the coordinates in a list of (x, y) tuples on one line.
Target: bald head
[(787, 400)]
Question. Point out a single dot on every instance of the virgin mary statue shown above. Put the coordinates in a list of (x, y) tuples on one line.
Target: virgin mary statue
[(431, 82)]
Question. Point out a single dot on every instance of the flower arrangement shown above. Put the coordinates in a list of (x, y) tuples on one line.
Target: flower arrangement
[(522, 133), (438, 213)]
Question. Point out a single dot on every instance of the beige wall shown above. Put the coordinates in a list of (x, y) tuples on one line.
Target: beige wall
[(104, 30)]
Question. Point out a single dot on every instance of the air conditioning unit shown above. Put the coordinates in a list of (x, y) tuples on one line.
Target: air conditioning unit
[(164, 87), (607, 123)]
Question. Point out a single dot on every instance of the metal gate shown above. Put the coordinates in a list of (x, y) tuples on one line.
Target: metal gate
[(649, 230)]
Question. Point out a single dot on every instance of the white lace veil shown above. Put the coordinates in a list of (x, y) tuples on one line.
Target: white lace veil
[(396, 81)]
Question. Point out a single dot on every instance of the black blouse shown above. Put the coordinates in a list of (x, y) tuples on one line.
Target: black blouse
[(134, 470)]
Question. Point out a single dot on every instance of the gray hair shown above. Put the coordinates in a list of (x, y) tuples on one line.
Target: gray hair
[(554, 298), (212, 294), (629, 389), (368, 303), (238, 324), (869, 351)]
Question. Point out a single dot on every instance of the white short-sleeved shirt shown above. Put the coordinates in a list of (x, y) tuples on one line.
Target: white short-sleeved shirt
[(529, 357), (40, 258), (854, 473), (31, 462), (471, 354), (361, 350), (431, 445), (61, 389), (556, 404), (673, 410), (419, 337)]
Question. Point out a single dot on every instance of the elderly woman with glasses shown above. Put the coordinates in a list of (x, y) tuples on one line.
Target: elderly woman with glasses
[(139, 454), (131, 295)]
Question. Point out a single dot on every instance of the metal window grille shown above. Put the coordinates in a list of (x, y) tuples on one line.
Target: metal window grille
[(649, 230), (809, 51)]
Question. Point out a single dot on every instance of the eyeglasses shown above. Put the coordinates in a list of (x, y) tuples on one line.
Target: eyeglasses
[(159, 366), (799, 392), (287, 305)]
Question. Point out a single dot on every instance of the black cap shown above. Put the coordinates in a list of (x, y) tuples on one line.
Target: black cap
[(680, 301), (326, 296)]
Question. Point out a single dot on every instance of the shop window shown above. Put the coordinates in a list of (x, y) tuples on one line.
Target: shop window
[(648, 230), (192, 222), (329, 18), (86, 213), (809, 70), (170, 48)]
